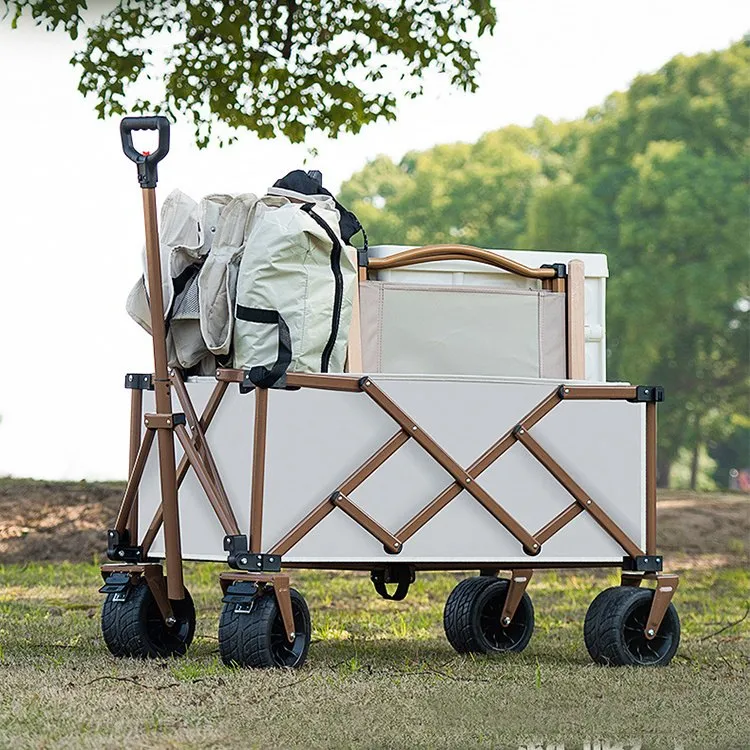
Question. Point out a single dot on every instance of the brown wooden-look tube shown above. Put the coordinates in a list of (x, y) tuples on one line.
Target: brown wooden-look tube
[(578, 493), (167, 469), (201, 444), (206, 418), (367, 522), (461, 477), (559, 522), (431, 253), (196, 461), (575, 294), (259, 469), (131, 491)]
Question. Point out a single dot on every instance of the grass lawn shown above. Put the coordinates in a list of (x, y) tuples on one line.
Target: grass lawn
[(379, 674)]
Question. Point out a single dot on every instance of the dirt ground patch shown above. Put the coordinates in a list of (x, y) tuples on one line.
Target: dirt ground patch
[(55, 521)]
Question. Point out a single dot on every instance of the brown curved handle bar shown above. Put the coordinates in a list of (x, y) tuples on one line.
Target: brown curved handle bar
[(431, 253)]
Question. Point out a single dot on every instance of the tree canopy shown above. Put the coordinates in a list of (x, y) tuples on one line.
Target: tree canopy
[(656, 177), (270, 66)]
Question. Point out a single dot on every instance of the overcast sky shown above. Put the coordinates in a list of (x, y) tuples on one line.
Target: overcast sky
[(71, 207)]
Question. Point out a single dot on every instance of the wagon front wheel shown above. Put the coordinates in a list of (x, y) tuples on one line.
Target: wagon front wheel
[(472, 618), (251, 634), (132, 624)]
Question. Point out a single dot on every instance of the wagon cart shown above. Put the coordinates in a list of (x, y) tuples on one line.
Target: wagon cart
[(472, 431)]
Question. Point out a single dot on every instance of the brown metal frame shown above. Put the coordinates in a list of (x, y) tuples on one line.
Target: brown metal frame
[(191, 430)]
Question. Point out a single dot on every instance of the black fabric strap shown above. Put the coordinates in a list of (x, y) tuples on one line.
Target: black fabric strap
[(402, 589), (267, 377)]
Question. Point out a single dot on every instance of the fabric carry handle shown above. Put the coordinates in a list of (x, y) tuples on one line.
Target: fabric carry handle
[(261, 376)]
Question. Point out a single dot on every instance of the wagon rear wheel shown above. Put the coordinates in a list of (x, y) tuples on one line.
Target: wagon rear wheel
[(472, 618), (616, 624)]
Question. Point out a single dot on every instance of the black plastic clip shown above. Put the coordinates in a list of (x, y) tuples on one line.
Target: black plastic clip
[(119, 548), (139, 381), (240, 558), (643, 563), (363, 259), (117, 583), (649, 394), (403, 575), (240, 592), (560, 269)]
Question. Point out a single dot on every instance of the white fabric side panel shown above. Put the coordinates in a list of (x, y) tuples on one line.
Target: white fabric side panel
[(457, 330), (318, 438), (552, 336), (370, 317)]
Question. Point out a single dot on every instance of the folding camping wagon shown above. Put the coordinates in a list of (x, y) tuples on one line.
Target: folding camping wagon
[(472, 431)]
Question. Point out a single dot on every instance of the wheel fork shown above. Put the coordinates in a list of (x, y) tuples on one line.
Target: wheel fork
[(519, 580), (666, 585)]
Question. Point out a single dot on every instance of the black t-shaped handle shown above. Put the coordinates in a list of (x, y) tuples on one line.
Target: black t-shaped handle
[(146, 163)]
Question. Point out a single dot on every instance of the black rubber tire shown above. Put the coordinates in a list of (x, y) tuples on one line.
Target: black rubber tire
[(253, 635), (472, 618), (616, 632), (593, 619), (135, 628)]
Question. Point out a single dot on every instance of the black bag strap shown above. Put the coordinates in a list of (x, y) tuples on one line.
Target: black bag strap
[(261, 376), (403, 578)]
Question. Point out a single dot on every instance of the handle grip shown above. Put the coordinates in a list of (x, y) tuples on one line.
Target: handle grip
[(146, 163)]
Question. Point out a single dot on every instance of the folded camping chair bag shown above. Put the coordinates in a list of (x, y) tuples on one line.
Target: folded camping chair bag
[(296, 283), (186, 235), (217, 280)]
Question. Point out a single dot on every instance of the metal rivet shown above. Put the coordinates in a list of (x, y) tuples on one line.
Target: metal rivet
[(535, 546), (650, 631), (292, 635), (468, 479), (121, 553), (244, 561), (396, 544), (645, 559), (130, 377), (270, 559), (367, 382), (506, 620), (414, 428), (567, 390), (588, 502)]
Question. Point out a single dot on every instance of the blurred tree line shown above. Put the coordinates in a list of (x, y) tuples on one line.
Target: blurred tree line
[(656, 177)]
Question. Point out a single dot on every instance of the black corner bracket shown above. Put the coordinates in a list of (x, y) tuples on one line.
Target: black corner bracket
[(560, 269), (139, 381), (649, 394), (643, 564), (119, 548), (240, 558)]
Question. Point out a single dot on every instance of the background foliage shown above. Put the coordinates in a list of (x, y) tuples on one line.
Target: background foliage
[(270, 66), (656, 177)]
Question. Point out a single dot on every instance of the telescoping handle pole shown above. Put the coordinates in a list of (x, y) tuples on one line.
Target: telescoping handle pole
[(147, 179)]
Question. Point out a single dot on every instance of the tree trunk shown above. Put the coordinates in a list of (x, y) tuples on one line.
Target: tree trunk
[(697, 442), (663, 470)]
